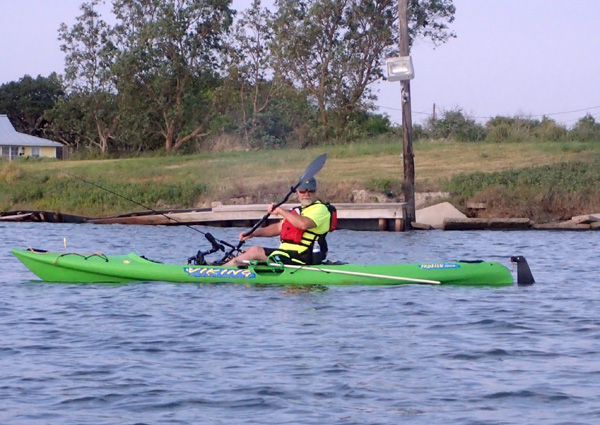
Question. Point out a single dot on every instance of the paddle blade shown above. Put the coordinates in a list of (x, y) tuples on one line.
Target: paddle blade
[(313, 168)]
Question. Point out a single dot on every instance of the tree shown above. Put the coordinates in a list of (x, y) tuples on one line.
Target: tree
[(307, 39), (429, 19), (247, 65), (366, 39), (26, 100), (334, 48), (90, 55), (169, 53), (68, 124)]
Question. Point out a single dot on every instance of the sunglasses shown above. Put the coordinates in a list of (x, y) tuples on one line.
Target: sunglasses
[(306, 191)]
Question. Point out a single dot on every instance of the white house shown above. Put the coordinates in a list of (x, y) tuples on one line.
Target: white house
[(14, 144)]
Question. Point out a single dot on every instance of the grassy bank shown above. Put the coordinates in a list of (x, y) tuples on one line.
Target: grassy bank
[(524, 180)]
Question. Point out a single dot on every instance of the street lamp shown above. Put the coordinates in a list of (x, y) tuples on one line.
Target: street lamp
[(399, 68)]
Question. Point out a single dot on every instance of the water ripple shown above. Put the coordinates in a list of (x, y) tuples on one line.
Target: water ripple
[(154, 353)]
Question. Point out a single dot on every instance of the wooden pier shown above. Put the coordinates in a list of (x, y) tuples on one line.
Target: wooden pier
[(375, 216)]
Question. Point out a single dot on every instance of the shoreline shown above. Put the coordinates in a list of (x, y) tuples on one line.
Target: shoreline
[(368, 217)]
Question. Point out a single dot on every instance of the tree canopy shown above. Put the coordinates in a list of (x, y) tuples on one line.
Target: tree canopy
[(171, 74), (26, 100)]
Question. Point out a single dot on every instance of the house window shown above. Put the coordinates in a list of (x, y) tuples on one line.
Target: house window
[(35, 151), (10, 152)]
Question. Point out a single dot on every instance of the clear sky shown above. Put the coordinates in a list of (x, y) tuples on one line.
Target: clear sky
[(510, 57)]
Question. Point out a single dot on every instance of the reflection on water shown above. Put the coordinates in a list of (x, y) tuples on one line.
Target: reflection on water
[(179, 354)]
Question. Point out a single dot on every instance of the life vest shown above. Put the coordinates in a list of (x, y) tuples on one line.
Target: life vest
[(289, 232), (332, 226), (306, 238)]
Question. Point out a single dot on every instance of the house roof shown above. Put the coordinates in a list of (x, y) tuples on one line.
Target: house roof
[(10, 137)]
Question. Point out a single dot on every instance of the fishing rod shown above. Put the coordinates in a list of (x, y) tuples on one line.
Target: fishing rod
[(217, 245)]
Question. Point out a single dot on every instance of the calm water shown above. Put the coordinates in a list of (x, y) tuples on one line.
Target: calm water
[(157, 353)]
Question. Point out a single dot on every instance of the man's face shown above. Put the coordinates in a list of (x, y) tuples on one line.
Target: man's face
[(306, 197)]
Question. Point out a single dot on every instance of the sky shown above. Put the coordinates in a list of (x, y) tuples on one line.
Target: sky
[(531, 58)]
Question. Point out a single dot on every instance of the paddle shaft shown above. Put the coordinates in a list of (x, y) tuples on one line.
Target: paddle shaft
[(266, 216), (382, 276)]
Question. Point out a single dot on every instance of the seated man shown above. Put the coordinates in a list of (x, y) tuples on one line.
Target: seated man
[(299, 230)]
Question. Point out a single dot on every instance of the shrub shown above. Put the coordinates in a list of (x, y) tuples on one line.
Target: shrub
[(455, 125), (391, 188), (557, 191), (520, 129), (586, 130)]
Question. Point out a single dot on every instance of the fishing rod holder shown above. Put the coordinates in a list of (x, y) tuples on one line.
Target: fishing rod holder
[(199, 259)]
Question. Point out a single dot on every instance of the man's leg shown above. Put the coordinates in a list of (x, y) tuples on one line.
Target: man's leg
[(252, 253)]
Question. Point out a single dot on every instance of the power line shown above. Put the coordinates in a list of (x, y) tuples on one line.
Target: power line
[(591, 108), (569, 112)]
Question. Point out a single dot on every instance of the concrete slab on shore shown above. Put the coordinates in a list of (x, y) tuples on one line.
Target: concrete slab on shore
[(435, 215), (564, 225), (586, 219), (487, 223)]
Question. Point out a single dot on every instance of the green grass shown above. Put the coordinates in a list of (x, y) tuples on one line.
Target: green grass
[(62, 193), (545, 193), (560, 177), (469, 170)]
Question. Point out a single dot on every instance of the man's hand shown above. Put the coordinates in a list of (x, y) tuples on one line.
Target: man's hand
[(243, 236), (274, 210)]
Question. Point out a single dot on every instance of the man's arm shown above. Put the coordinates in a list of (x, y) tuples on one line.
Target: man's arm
[(268, 231), (296, 220)]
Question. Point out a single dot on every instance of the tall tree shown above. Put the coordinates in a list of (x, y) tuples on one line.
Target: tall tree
[(169, 52), (307, 38), (89, 57), (366, 39), (334, 48), (247, 65)]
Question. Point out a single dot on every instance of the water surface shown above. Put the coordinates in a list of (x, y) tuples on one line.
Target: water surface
[(159, 353)]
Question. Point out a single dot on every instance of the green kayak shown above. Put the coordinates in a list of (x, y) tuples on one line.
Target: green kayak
[(100, 268)]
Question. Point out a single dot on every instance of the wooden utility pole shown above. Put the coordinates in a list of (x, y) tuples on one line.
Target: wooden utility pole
[(407, 150)]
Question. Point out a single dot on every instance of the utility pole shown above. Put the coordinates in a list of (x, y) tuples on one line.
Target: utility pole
[(407, 150)]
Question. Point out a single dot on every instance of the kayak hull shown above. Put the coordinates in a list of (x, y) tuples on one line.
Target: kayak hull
[(99, 268)]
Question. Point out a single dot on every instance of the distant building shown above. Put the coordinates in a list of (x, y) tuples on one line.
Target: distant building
[(14, 144)]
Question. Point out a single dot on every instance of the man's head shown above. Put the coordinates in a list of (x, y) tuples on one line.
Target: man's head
[(306, 191), (308, 184)]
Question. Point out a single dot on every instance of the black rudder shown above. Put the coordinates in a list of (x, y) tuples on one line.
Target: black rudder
[(524, 275)]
